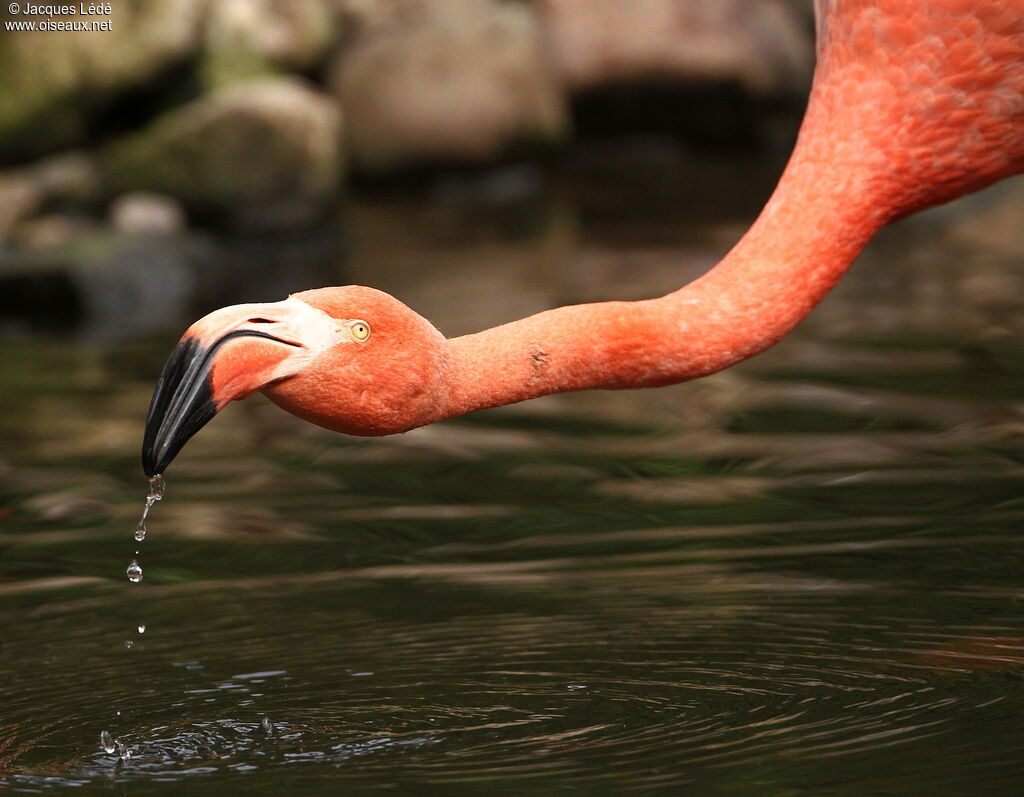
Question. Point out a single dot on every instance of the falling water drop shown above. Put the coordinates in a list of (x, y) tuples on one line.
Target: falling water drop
[(128, 643), (134, 572), (107, 742), (266, 724), (157, 485), (142, 628)]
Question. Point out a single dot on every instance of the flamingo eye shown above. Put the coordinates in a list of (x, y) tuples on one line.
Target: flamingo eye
[(359, 330)]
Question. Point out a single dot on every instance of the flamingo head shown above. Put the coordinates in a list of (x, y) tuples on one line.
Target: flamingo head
[(352, 359)]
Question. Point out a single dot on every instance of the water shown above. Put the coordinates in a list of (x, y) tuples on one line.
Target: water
[(157, 486), (801, 576), (134, 571)]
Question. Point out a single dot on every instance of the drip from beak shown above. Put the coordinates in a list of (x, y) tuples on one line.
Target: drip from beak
[(182, 401)]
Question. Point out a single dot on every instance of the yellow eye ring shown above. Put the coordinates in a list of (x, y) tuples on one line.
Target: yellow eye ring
[(359, 330)]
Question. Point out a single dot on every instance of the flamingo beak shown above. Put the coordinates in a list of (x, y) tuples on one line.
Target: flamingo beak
[(268, 342), (183, 400)]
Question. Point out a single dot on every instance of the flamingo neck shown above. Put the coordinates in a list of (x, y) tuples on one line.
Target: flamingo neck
[(910, 107), (810, 232)]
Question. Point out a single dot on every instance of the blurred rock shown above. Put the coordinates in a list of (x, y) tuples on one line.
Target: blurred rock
[(264, 154), (131, 284), (103, 286), (763, 45), (52, 230), (71, 178), (460, 83), (69, 276), (360, 16), (51, 82), (19, 199), (244, 39), (142, 212)]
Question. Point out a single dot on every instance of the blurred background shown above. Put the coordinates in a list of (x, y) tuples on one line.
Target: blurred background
[(578, 583), (201, 153), (482, 158)]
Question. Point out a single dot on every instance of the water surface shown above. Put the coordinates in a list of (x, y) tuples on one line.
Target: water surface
[(802, 576)]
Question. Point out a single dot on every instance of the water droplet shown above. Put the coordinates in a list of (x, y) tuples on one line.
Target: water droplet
[(156, 493), (107, 742), (128, 643), (142, 628), (134, 572), (267, 725)]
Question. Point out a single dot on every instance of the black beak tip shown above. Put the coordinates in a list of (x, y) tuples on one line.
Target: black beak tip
[(182, 404), (183, 398), (151, 464)]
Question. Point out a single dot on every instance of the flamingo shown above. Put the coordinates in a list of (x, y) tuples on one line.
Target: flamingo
[(913, 103)]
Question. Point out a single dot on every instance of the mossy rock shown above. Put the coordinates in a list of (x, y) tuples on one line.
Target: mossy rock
[(248, 39), (457, 86), (53, 82), (264, 153)]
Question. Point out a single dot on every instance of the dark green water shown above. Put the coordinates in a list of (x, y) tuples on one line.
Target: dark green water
[(803, 576)]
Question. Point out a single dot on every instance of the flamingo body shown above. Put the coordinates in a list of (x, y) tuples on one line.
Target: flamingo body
[(913, 104)]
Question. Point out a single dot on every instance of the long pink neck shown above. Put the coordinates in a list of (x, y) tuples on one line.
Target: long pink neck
[(899, 120), (799, 247)]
